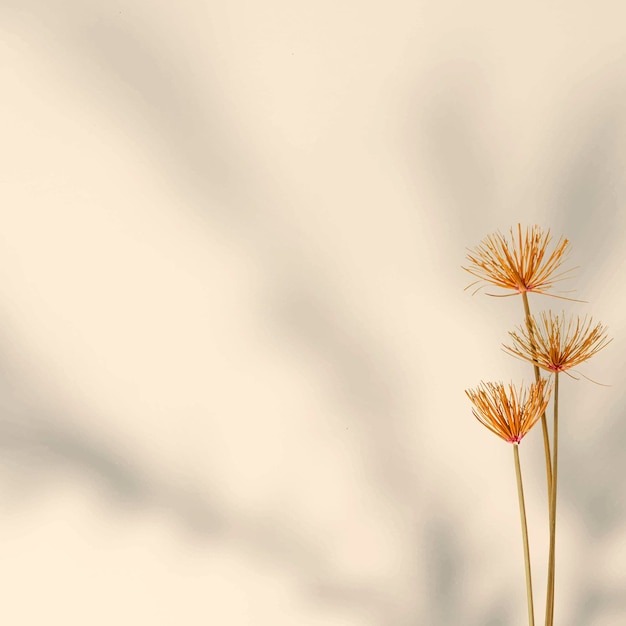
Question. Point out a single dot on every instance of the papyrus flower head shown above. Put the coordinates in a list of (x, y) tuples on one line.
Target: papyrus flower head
[(521, 262), (556, 344), (509, 413)]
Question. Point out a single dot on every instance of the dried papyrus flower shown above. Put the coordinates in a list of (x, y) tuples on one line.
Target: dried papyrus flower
[(519, 263), (509, 413), (556, 344)]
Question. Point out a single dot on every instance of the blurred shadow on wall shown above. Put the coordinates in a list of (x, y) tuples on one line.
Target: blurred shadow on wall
[(201, 156), (589, 191), (144, 82), (593, 487), (363, 377), (41, 449), (450, 143), (362, 374), (589, 199), (445, 565), (449, 147), (196, 142)]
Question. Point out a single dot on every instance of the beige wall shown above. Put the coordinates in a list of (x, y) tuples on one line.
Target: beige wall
[(233, 332)]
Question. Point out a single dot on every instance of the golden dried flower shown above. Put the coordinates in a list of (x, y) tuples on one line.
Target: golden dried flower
[(509, 414), (555, 345), (521, 263)]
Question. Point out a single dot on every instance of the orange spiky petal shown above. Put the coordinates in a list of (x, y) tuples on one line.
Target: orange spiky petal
[(520, 263), (511, 413), (556, 345)]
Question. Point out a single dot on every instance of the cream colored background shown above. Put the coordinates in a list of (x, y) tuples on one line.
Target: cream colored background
[(234, 337)]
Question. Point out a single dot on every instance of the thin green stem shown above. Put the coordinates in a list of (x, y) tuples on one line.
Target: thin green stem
[(522, 511), (544, 421), (551, 554)]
